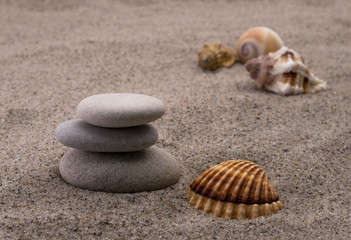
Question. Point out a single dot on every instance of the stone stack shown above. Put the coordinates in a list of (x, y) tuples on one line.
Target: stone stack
[(112, 144)]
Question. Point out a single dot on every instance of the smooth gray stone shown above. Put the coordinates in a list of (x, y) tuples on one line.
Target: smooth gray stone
[(146, 170), (81, 135), (117, 110)]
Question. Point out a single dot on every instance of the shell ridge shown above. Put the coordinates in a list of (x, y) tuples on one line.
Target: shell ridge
[(222, 195), (207, 184), (257, 188), (236, 183), (199, 179), (200, 182), (216, 179), (228, 195), (240, 186), (270, 194), (215, 194), (206, 178), (252, 187), (222, 183), (264, 191)]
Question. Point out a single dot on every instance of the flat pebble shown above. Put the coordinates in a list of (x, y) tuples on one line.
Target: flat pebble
[(81, 135), (120, 109), (146, 170)]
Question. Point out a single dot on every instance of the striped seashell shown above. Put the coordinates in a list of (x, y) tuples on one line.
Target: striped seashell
[(257, 41), (215, 55), (284, 72), (234, 189)]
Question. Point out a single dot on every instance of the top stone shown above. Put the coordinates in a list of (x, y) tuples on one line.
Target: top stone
[(117, 110)]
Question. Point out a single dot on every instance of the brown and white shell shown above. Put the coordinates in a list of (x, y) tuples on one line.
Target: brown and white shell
[(234, 189), (257, 41), (215, 55), (284, 72)]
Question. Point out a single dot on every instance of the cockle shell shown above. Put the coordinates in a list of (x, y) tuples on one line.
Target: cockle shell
[(215, 55), (234, 189), (257, 41), (284, 72)]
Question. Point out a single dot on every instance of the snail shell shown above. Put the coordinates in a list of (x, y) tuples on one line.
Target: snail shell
[(257, 41), (284, 72), (234, 189), (215, 55)]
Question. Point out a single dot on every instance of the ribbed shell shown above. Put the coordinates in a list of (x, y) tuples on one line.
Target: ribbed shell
[(236, 181), (284, 72), (215, 55), (234, 189)]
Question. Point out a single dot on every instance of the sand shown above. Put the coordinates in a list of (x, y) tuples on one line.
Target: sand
[(55, 53)]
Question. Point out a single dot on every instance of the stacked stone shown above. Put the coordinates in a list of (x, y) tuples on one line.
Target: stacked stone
[(112, 144)]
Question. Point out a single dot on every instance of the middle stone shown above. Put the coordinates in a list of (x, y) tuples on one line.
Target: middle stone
[(81, 135)]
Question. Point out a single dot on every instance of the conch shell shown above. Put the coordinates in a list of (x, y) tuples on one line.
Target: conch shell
[(257, 41), (234, 189), (215, 55), (284, 72)]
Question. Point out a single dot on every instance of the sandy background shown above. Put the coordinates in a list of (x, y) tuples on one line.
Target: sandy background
[(54, 54)]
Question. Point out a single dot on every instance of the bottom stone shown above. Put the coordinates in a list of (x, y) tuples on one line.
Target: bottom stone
[(146, 170)]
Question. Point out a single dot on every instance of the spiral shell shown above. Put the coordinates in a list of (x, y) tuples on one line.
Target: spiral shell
[(284, 72), (257, 41), (215, 55), (234, 189)]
